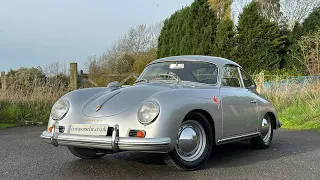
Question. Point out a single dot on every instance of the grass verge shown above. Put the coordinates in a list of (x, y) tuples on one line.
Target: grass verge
[(20, 113), (6, 125), (298, 105), (304, 116)]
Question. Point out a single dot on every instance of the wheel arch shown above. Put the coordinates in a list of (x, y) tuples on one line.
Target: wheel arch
[(208, 117), (273, 118)]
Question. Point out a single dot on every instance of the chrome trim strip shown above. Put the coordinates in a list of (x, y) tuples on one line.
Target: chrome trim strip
[(239, 72), (239, 137)]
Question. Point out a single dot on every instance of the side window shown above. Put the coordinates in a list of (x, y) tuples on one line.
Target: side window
[(231, 76), (247, 80), (206, 75)]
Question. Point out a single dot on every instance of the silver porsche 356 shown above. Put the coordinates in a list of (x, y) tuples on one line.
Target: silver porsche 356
[(180, 106)]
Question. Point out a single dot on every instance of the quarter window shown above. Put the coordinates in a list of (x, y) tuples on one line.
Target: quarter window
[(231, 76), (247, 80)]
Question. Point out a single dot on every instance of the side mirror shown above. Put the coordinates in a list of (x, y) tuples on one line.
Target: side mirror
[(253, 86), (114, 85)]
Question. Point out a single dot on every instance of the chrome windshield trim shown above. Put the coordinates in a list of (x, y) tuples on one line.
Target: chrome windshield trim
[(183, 60)]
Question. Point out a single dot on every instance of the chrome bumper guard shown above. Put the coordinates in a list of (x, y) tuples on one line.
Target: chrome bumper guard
[(114, 143), (279, 124)]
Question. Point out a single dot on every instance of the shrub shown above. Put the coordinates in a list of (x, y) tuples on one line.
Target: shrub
[(298, 105)]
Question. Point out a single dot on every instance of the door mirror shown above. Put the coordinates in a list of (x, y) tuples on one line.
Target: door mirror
[(114, 85), (253, 86)]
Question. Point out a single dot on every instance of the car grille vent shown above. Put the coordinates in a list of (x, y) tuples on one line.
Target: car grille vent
[(133, 133), (61, 129), (110, 130)]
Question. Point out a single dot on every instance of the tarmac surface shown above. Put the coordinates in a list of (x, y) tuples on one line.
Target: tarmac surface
[(292, 155)]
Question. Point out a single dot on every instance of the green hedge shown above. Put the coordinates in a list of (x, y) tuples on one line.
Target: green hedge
[(25, 113)]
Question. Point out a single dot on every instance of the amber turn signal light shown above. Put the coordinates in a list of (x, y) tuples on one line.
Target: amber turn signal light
[(141, 134), (50, 128)]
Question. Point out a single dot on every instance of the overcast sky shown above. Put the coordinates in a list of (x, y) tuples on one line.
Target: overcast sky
[(40, 32)]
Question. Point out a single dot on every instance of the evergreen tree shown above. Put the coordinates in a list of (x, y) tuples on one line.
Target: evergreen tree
[(312, 23), (189, 31), (260, 42), (293, 59), (224, 42)]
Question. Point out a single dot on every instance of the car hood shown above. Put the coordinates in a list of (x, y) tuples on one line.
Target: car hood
[(111, 103)]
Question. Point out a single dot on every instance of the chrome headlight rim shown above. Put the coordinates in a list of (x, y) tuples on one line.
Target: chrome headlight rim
[(67, 106), (155, 104)]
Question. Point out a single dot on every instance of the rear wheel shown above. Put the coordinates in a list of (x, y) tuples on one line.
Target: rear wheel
[(193, 145), (84, 153), (264, 140)]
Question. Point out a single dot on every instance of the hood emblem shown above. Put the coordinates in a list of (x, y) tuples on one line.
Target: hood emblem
[(97, 108)]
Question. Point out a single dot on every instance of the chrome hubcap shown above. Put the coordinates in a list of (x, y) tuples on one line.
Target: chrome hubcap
[(266, 129), (191, 140)]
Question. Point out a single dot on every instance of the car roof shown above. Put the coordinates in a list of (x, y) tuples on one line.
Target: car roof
[(212, 59)]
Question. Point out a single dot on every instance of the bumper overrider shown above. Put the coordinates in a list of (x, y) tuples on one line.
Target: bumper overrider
[(279, 124), (114, 142)]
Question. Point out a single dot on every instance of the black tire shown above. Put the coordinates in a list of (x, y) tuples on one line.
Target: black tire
[(259, 142), (84, 153), (174, 160)]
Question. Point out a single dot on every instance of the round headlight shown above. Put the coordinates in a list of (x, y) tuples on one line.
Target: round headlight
[(60, 109), (148, 112)]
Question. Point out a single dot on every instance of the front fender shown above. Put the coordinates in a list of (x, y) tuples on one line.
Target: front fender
[(266, 107), (173, 110)]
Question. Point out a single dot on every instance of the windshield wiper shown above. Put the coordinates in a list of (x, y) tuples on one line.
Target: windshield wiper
[(141, 80)]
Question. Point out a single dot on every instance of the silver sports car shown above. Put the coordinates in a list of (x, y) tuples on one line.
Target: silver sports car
[(180, 106)]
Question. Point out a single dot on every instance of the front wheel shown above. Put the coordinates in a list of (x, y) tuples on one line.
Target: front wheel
[(84, 153), (264, 140), (193, 145)]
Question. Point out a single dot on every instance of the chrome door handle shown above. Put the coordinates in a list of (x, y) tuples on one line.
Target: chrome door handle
[(253, 101)]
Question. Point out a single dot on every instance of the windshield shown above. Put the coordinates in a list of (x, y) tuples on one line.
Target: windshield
[(200, 72)]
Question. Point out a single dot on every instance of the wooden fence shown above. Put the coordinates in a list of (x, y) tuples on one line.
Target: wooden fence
[(78, 79)]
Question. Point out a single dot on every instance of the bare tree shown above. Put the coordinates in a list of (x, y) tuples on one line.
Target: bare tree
[(238, 5), (140, 38), (222, 8), (270, 9), (291, 11), (237, 8), (310, 46), (137, 45), (296, 10)]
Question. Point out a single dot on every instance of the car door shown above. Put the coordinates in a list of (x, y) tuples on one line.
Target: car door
[(239, 108)]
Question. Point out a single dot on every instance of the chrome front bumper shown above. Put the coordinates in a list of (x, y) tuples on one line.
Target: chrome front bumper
[(114, 143)]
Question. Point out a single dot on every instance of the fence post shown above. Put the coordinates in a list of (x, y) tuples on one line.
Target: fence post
[(3, 81), (73, 76), (260, 82), (81, 83)]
